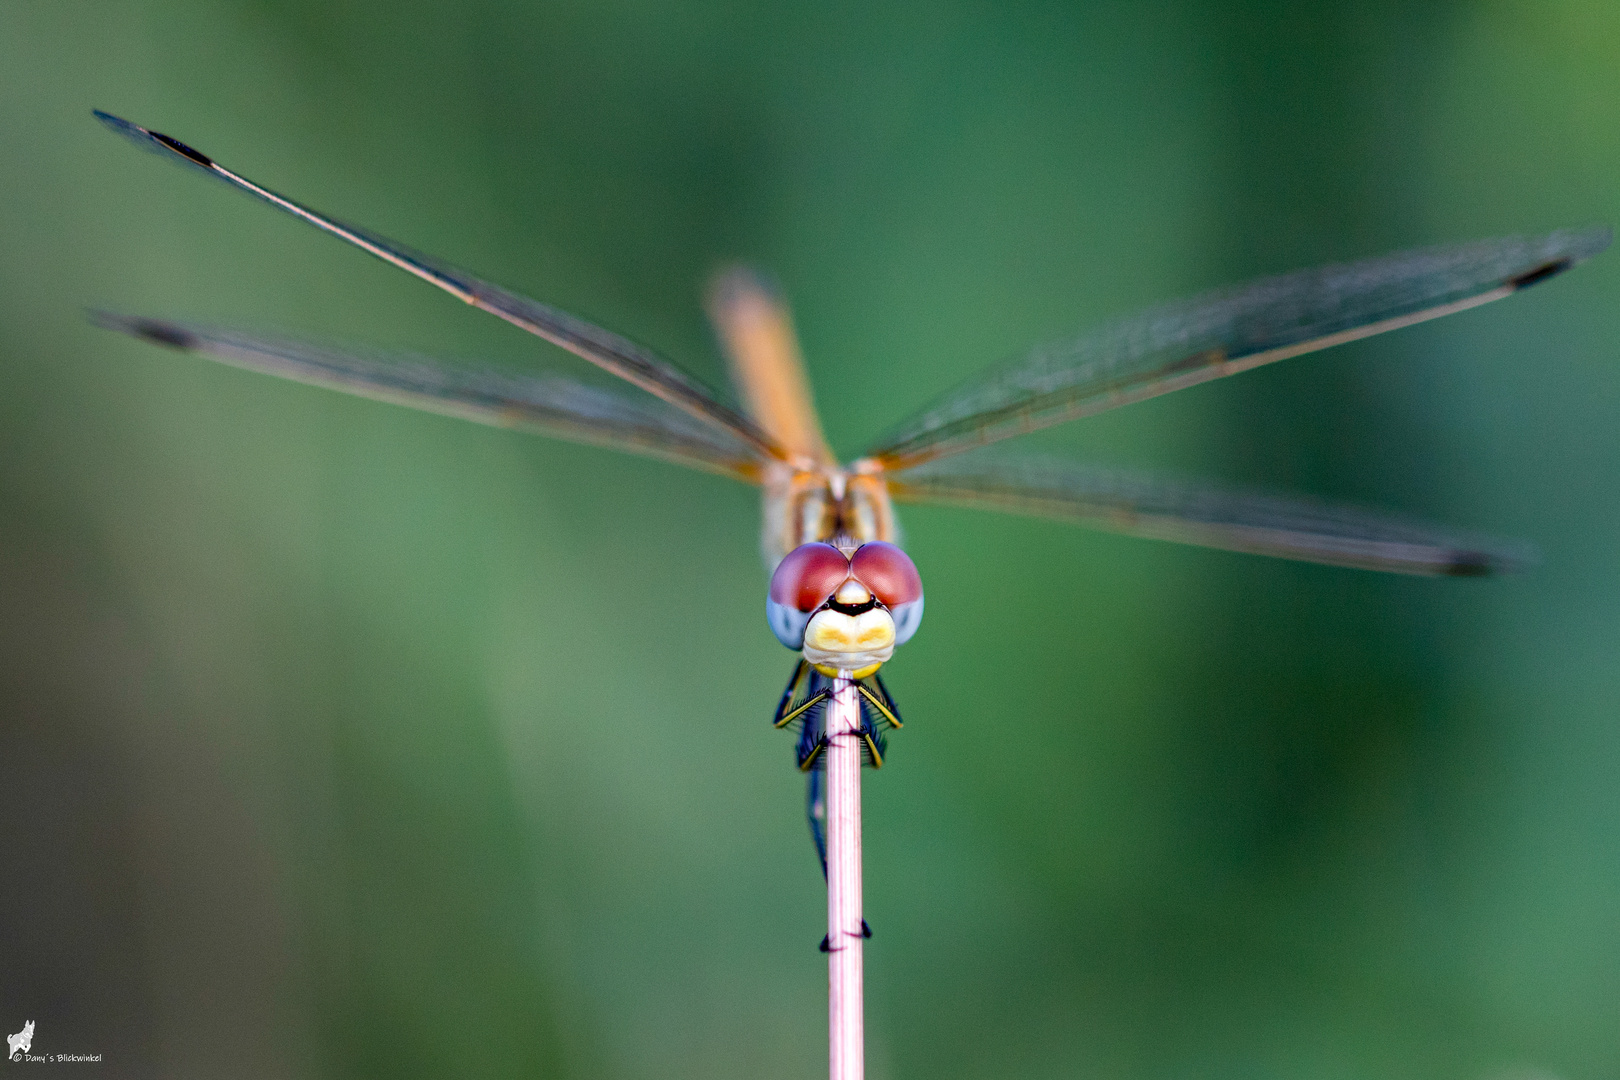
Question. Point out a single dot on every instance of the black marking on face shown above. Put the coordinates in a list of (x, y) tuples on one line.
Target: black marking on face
[(852, 609)]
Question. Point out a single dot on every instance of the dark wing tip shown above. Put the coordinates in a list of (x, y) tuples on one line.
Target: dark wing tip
[(1508, 558), (156, 331), (1563, 250), (1473, 564), (1541, 273), (153, 140), (185, 151)]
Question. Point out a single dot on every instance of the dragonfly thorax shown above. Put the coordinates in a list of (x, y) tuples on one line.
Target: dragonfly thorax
[(805, 503)]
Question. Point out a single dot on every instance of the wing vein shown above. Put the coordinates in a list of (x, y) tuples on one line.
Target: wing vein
[(547, 403), (1139, 504), (607, 350), (1222, 333)]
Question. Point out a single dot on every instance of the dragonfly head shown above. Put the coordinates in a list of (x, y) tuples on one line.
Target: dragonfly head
[(846, 612)]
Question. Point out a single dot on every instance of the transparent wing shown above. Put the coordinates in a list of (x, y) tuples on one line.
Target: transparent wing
[(550, 404), (1228, 331), (603, 348), (1191, 513)]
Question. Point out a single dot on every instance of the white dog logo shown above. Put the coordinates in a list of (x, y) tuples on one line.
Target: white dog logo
[(19, 1043)]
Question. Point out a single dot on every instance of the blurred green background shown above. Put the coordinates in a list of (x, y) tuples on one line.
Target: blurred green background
[(339, 740)]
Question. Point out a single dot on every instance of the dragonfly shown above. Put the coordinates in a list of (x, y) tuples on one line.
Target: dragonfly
[(843, 593)]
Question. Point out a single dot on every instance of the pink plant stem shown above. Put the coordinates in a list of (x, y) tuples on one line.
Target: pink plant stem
[(845, 995)]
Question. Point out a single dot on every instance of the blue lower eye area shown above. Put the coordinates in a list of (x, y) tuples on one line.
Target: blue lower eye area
[(787, 623), (907, 617)]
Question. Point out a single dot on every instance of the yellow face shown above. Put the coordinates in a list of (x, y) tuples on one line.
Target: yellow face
[(833, 639)]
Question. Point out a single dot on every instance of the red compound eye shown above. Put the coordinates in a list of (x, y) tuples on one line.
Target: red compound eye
[(888, 572), (809, 575)]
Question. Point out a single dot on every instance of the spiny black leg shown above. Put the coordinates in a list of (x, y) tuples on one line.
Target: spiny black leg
[(786, 704), (784, 719), (815, 805), (877, 695), (866, 932), (883, 688), (783, 705), (786, 711), (810, 748), (874, 746)]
